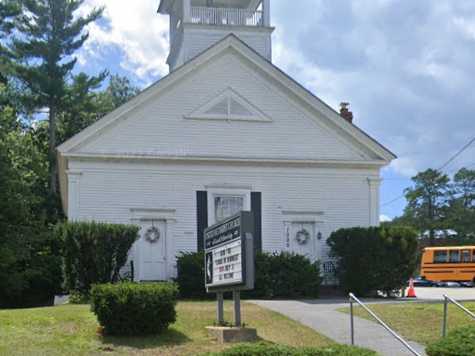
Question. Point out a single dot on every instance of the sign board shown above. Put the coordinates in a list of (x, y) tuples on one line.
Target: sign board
[(229, 254)]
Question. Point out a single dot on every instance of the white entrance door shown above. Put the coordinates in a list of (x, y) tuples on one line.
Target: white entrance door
[(153, 251), (301, 239)]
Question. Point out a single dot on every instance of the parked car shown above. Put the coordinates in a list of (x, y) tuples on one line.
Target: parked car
[(448, 284), (467, 284), (422, 282)]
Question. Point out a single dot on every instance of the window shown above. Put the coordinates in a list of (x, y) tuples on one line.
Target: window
[(454, 256), (226, 201), (227, 205), (466, 256), (473, 255), (440, 256)]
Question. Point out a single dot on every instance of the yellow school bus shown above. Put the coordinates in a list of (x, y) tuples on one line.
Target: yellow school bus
[(454, 263)]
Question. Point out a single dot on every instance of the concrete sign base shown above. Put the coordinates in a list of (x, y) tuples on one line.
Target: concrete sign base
[(226, 335)]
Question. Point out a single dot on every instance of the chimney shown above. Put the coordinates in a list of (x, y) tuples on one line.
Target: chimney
[(346, 113)]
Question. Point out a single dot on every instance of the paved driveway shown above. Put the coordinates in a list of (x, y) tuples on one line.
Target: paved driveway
[(323, 316), (438, 293)]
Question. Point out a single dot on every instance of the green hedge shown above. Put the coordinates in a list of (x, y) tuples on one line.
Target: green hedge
[(264, 349), (375, 258), (279, 275), (191, 275), (94, 252), (285, 275), (460, 342), (134, 309)]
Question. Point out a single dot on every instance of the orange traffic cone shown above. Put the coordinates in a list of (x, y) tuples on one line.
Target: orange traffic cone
[(411, 293)]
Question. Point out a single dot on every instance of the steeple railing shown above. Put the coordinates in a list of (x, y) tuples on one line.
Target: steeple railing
[(226, 16)]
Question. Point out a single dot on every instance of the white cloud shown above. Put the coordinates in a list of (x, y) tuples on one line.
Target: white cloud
[(136, 30), (466, 27), (384, 218)]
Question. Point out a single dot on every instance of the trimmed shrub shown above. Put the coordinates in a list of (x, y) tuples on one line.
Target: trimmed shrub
[(285, 275), (459, 342), (264, 349), (375, 258), (134, 309), (94, 252), (191, 275), (278, 275)]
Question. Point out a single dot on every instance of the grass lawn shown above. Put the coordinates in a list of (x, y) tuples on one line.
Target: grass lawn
[(421, 322), (72, 330)]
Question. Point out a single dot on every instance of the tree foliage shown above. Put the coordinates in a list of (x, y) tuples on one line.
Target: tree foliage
[(47, 33), (30, 269), (461, 212), (9, 10), (428, 200), (85, 103), (375, 258), (41, 104), (437, 203)]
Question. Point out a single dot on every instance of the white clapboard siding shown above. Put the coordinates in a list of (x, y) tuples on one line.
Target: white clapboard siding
[(159, 126), (196, 41), (108, 191)]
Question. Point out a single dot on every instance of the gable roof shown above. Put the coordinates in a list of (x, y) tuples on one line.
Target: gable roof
[(231, 41)]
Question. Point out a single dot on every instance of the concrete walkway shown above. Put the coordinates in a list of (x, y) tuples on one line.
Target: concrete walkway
[(323, 317)]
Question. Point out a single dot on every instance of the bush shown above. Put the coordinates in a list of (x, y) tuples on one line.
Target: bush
[(375, 258), (285, 275), (460, 342), (94, 252), (281, 275), (263, 349), (134, 309), (191, 275), (30, 267)]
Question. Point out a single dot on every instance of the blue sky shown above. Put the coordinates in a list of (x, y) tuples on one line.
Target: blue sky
[(406, 67)]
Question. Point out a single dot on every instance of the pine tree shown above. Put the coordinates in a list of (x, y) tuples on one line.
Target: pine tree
[(47, 33), (428, 201), (9, 9)]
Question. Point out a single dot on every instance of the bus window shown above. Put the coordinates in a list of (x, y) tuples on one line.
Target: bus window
[(466, 256), (473, 255), (440, 256), (454, 256)]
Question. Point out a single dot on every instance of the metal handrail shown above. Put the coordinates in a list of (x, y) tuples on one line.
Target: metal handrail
[(382, 323), (447, 299)]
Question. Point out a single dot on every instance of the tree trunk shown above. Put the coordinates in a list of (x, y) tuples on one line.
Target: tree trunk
[(53, 170), (431, 222)]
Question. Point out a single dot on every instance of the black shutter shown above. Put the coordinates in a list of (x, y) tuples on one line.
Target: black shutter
[(201, 217), (256, 207)]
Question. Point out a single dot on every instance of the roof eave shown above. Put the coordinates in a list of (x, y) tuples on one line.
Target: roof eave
[(164, 7)]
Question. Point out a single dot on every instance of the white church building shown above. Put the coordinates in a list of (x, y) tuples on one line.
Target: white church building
[(225, 131)]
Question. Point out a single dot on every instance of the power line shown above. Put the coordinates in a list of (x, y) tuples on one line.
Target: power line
[(449, 161), (467, 166), (457, 154)]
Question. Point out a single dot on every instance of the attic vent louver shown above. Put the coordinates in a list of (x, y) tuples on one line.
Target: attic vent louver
[(229, 106), (222, 108)]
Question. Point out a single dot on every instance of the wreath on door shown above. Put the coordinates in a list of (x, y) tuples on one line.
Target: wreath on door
[(152, 235), (302, 237)]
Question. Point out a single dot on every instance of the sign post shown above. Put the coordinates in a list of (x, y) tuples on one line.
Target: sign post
[(229, 261)]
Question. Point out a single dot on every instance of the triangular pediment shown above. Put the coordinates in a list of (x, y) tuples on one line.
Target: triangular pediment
[(228, 106)]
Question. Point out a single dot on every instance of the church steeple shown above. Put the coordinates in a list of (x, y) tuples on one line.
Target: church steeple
[(195, 25)]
